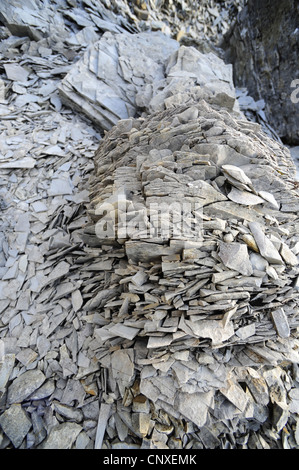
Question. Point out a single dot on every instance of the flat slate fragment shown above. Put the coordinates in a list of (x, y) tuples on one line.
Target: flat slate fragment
[(235, 256), (281, 323), (61, 436), (6, 367), (25, 385), (151, 337), (15, 423)]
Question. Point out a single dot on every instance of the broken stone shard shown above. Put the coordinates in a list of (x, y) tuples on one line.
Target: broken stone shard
[(104, 84), (15, 423), (235, 256), (61, 436), (25, 385), (126, 319), (266, 247)]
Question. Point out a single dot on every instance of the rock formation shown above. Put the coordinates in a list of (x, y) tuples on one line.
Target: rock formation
[(263, 47), (195, 211), (161, 312), (110, 82)]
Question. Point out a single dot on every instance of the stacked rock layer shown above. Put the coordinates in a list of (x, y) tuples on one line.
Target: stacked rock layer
[(195, 210)]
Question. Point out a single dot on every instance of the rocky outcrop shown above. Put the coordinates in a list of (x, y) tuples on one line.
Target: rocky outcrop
[(263, 47), (197, 210), (111, 82)]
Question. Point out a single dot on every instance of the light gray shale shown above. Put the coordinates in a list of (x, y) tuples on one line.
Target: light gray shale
[(100, 347), (203, 317)]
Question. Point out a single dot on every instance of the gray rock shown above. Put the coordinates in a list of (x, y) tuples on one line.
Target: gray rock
[(266, 247), (122, 368), (194, 406), (61, 436), (235, 256), (83, 441), (15, 423), (16, 72), (68, 412), (114, 75), (45, 390), (212, 329), (90, 312), (102, 423), (288, 256), (124, 84), (25, 385), (281, 323), (244, 197), (6, 368), (39, 430), (60, 186), (256, 29)]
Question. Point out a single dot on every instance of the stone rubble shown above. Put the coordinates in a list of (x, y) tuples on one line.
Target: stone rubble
[(137, 341), (207, 310)]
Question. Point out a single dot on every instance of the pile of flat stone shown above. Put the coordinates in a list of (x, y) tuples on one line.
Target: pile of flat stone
[(111, 83), (174, 324), (196, 214), (81, 22)]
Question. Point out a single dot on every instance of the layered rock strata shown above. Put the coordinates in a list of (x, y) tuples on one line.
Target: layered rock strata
[(195, 211)]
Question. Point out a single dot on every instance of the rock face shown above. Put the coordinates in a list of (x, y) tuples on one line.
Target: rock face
[(196, 274), (263, 47)]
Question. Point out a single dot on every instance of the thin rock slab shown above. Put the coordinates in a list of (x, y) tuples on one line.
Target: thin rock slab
[(25, 385), (244, 197), (213, 329), (6, 368), (235, 256), (15, 423), (281, 323), (266, 247), (62, 436)]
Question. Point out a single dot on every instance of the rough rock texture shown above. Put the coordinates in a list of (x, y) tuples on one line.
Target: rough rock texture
[(196, 273), (104, 83), (263, 47), (91, 354), (111, 82)]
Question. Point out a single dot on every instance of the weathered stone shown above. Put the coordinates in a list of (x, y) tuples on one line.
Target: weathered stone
[(244, 197), (194, 406), (114, 83), (15, 423), (152, 313), (122, 368), (235, 257), (6, 367), (266, 247), (235, 395), (61, 436), (251, 46), (281, 323), (25, 385), (68, 412)]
